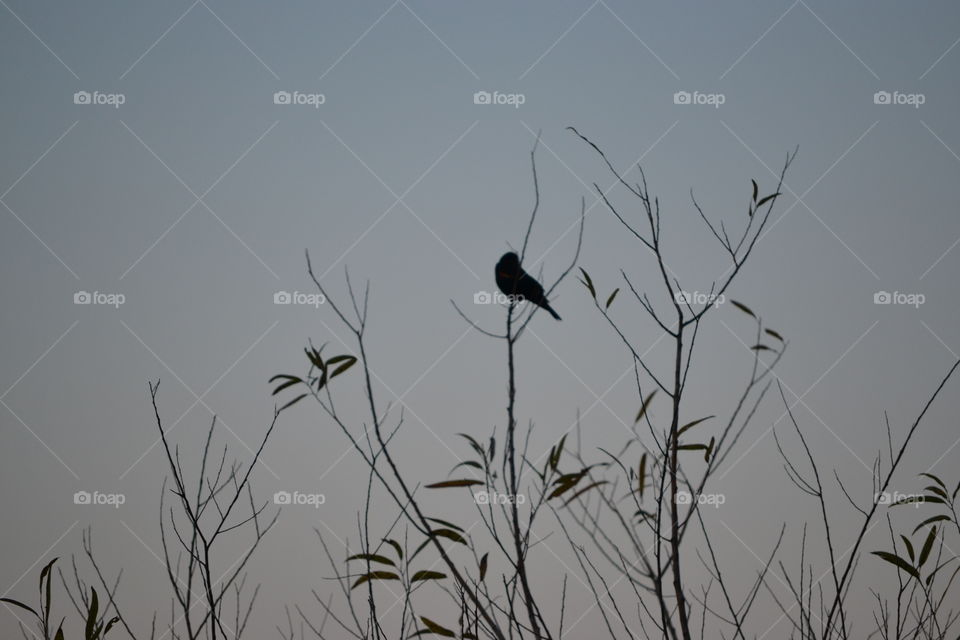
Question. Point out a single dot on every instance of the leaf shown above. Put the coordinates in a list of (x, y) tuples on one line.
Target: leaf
[(114, 620), (744, 308), (467, 463), (760, 347), (450, 534), (756, 190), (493, 447), (897, 561), (690, 425), (59, 635), (692, 447), (372, 557), (293, 402), (644, 406), (290, 381), (592, 485), (941, 566), (343, 367), (374, 575), (706, 454), (935, 479), (433, 627), (427, 575), (19, 604), (483, 566), (396, 547), (556, 452), (588, 283), (931, 520), (612, 296), (909, 546), (314, 357), (92, 613), (642, 474), (767, 199), (446, 524), (927, 546), (446, 484), (771, 332), (473, 443), (937, 490)]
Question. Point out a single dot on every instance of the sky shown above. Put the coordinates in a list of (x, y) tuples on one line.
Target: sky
[(166, 165)]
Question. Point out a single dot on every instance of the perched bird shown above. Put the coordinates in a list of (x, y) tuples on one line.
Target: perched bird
[(514, 281)]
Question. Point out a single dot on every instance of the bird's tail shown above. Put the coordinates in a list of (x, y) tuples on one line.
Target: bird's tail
[(550, 309)]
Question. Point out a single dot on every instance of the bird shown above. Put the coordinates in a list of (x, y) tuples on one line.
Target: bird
[(514, 281)]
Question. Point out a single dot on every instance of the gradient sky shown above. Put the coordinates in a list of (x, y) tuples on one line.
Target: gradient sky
[(196, 198)]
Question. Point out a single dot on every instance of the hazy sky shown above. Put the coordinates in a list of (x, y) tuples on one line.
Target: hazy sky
[(147, 157)]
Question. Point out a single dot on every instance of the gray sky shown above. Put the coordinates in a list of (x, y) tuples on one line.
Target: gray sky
[(195, 198)]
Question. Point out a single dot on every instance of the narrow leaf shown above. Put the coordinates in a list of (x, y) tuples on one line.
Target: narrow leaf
[(588, 283), (927, 546), (644, 406), (612, 296), (372, 557), (690, 425), (374, 575), (19, 604), (483, 566), (446, 484), (897, 561), (771, 332), (767, 199), (743, 307), (427, 575)]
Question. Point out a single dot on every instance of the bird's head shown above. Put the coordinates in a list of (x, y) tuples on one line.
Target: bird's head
[(509, 262)]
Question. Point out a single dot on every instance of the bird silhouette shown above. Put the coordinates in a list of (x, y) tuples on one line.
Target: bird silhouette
[(514, 281)]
